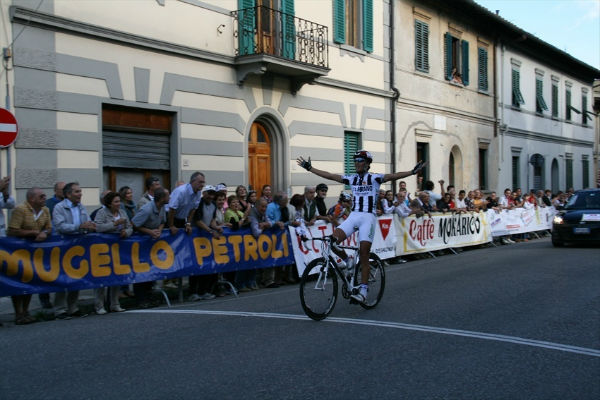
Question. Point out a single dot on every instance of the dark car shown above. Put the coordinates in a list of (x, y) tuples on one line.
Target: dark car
[(579, 221)]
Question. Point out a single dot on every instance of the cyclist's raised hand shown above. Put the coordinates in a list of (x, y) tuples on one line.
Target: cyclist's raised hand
[(420, 165), (304, 163)]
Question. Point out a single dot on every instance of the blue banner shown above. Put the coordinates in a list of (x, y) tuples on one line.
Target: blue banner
[(97, 260)]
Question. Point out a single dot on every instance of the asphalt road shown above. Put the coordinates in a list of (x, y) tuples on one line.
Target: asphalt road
[(513, 322)]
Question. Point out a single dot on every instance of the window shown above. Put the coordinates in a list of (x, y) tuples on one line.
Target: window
[(423, 155), (515, 171), (585, 173), (482, 168), (353, 23), (584, 116), (352, 143), (482, 68), (540, 104), (554, 100), (517, 97), (569, 172), (457, 59), (421, 46)]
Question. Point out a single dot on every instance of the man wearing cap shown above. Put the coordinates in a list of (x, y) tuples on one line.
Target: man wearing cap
[(320, 201), (204, 219)]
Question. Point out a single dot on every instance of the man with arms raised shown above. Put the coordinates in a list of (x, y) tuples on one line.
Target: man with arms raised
[(365, 190)]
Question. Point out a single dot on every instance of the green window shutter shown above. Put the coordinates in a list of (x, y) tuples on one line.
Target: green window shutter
[(516, 173), (246, 24), (568, 103), (421, 46), (367, 8), (351, 146), (448, 55), (585, 165), (555, 101), (540, 104), (517, 97), (584, 110), (339, 21), (288, 29), (465, 62), (482, 69), (569, 173)]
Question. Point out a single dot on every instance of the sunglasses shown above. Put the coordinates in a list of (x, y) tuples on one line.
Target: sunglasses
[(359, 159)]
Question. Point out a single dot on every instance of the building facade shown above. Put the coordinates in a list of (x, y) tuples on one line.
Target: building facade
[(234, 88)]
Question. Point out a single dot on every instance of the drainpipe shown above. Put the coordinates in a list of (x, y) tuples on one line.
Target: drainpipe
[(396, 94)]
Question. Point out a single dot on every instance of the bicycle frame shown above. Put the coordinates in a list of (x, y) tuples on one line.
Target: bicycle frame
[(347, 286)]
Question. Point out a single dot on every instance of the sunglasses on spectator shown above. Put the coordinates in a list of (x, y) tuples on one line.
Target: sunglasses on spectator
[(359, 159)]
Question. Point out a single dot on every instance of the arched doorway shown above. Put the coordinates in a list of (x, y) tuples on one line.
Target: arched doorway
[(554, 176), (455, 176), (259, 157)]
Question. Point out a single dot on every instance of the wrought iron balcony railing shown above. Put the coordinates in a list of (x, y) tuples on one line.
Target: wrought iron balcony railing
[(265, 31)]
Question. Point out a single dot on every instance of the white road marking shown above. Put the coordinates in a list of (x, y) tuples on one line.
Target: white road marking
[(396, 325)]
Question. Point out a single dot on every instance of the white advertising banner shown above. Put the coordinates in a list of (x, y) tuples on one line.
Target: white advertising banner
[(441, 231), (520, 220)]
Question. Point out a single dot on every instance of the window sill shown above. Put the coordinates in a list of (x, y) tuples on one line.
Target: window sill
[(352, 49), (461, 85), (484, 92)]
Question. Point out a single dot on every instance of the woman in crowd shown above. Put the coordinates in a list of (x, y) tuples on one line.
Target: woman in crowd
[(267, 193), (250, 201), (111, 219), (387, 203), (240, 194), (127, 204)]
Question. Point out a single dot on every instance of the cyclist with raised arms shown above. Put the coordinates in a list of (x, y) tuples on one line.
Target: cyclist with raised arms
[(365, 190)]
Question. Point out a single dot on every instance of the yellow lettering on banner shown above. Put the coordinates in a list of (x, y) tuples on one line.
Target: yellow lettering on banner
[(135, 259), (250, 249), (276, 253), (202, 248), (167, 250), (13, 260), (262, 240), (100, 260), (235, 241), (118, 268), (82, 269), (220, 250), (40, 268), (284, 241)]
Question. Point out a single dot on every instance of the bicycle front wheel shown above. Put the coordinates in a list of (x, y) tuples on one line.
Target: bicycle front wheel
[(318, 289), (376, 281)]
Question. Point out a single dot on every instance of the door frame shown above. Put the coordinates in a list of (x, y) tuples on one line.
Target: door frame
[(280, 149)]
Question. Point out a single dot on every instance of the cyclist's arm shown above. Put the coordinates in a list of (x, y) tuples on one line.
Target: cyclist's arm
[(326, 175), (397, 175)]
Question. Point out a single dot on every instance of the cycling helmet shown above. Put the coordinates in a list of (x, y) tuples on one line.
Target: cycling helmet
[(345, 197), (363, 154)]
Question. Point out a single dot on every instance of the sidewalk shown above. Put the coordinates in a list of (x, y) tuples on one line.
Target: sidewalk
[(7, 312)]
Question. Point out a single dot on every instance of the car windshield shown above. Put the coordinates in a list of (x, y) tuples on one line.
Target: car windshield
[(584, 201)]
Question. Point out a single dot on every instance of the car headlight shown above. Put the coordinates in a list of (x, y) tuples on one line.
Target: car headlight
[(558, 219)]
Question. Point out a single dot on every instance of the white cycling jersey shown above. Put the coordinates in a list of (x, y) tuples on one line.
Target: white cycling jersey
[(365, 191)]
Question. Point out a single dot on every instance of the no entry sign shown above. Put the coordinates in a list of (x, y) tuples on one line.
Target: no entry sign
[(8, 128)]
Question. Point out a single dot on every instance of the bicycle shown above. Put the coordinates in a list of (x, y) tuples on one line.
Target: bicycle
[(319, 281)]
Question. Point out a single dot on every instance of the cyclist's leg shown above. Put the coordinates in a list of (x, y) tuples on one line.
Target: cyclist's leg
[(339, 236), (365, 250)]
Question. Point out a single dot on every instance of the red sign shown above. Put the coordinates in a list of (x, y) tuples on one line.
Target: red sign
[(8, 128), (384, 225)]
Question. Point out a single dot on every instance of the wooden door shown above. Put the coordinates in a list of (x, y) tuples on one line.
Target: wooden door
[(259, 157)]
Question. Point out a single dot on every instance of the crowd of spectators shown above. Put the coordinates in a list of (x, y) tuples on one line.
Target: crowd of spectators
[(210, 209)]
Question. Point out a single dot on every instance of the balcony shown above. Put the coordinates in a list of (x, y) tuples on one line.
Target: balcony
[(268, 41)]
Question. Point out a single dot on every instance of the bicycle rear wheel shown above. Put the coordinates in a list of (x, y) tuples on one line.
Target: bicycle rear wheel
[(318, 289), (376, 281)]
